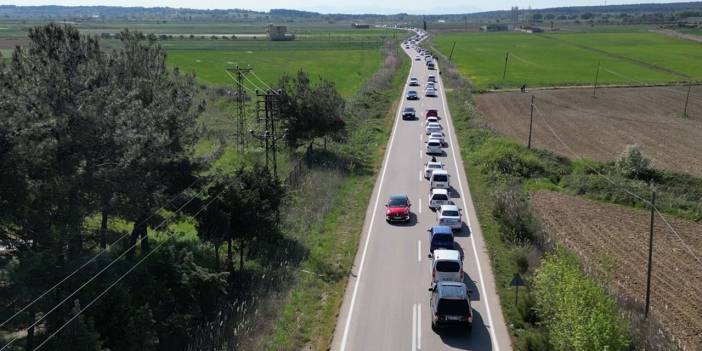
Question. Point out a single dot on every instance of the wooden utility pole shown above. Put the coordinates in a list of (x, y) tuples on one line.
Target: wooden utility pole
[(531, 120), (451, 54), (597, 74), (687, 98), (504, 72), (650, 254)]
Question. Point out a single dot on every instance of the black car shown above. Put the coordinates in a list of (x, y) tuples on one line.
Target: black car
[(409, 113), (412, 95), (449, 303)]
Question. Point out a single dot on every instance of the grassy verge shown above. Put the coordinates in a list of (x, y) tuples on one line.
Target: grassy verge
[(309, 314)]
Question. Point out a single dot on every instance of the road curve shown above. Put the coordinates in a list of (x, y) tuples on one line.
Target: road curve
[(386, 304)]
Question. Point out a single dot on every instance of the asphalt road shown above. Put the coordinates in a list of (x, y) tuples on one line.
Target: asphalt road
[(386, 305)]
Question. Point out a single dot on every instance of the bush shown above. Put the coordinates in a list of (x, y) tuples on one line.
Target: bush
[(502, 158), (514, 216), (578, 313), (632, 164)]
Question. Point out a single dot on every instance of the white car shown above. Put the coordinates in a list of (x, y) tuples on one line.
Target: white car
[(432, 128), (429, 167), (431, 85), (437, 198), (438, 136), (430, 92), (450, 216), (431, 119), (433, 147), (414, 82), (417, 58)]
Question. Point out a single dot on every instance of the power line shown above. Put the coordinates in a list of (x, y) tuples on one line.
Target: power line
[(120, 278), (240, 84), (92, 259), (645, 201), (260, 80), (99, 273)]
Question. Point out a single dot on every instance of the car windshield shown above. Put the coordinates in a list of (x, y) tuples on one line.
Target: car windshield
[(448, 266), (434, 143), (440, 177), (397, 202), (442, 238), (409, 109), (453, 307), (440, 197), (450, 213), (435, 166)]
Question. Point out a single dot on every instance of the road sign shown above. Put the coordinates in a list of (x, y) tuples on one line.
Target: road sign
[(517, 281)]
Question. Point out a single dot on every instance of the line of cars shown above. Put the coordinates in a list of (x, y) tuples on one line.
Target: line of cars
[(449, 300)]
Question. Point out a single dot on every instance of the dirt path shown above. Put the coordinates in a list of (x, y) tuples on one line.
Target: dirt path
[(593, 229), (675, 34)]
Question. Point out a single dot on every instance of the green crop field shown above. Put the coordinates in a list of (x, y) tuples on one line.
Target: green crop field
[(347, 68), (571, 59)]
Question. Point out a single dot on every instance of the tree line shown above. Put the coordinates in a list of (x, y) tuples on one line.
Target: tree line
[(89, 137)]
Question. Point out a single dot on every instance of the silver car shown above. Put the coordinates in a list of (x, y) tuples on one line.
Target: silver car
[(450, 216), (433, 147)]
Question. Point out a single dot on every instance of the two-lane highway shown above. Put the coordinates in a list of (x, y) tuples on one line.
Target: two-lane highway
[(386, 306)]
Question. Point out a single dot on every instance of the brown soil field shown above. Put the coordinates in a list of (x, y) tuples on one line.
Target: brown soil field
[(591, 229), (600, 128), (8, 43)]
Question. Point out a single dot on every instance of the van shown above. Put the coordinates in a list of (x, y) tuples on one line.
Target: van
[(438, 197), (449, 304), (439, 179), (446, 265)]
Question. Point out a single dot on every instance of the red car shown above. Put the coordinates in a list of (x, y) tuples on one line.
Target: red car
[(397, 209), (432, 112)]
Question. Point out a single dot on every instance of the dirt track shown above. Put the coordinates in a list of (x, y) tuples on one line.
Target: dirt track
[(592, 228), (600, 128)]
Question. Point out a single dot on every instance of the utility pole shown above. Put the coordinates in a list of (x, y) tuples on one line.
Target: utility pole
[(504, 72), (687, 98), (452, 47), (241, 105), (650, 254), (270, 101), (597, 74), (531, 120)]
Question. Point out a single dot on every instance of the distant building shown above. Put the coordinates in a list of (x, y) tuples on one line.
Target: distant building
[(360, 26), (278, 33), (496, 27)]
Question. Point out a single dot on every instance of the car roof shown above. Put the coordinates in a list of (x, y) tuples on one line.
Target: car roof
[(409, 108), (398, 196), (439, 191), (441, 171), (448, 207), (441, 229), (451, 290), (436, 141), (434, 163), (433, 124), (443, 254)]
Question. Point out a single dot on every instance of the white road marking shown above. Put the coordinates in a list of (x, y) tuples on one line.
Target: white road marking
[(420, 205), (420, 153), (419, 326), (420, 175), (419, 251), (414, 327), (370, 227), (491, 329)]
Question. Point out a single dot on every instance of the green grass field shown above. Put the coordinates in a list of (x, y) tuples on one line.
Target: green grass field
[(563, 59), (347, 68)]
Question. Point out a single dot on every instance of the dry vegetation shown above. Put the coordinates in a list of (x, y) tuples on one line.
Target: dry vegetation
[(598, 231)]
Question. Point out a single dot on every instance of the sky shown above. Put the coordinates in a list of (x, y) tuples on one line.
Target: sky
[(344, 6)]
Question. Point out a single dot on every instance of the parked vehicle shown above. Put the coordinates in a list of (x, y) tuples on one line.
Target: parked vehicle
[(412, 95), (439, 179), (430, 167), (449, 303), (440, 237), (450, 216), (433, 147), (437, 198), (446, 265), (409, 113), (398, 208)]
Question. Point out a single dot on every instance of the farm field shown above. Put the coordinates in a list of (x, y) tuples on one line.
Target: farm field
[(597, 231), (601, 128), (538, 60), (347, 68)]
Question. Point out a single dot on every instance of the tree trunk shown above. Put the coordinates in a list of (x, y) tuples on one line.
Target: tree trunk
[(144, 234), (241, 258), (229, 251), (137, 232), (216, 248), (103, 228)]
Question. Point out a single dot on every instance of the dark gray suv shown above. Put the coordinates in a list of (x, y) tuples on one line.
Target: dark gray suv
[(449, 303)]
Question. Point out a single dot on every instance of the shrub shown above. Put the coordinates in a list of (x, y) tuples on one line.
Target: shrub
[(578, 313), (502, 158), (632, 164), (514, 216)]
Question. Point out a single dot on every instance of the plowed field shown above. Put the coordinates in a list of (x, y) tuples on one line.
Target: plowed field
[(600, 128), (591, 228)]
